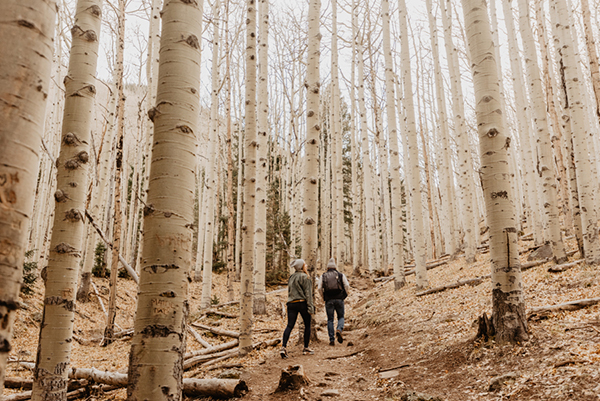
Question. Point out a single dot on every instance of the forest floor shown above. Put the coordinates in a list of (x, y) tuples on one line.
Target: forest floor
[(395, 342)]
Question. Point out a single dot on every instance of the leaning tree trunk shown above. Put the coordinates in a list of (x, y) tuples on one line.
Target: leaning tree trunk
[(313, 124), (25, 65), (508, 307), (155, 359), (249, 184), (581, 130), (418, 232), (262, 169), (54, 347), (545, 162)]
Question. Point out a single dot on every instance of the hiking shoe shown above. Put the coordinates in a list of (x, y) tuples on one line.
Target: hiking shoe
[(338, 334), (283, 353), (308, 351), (332, 343)]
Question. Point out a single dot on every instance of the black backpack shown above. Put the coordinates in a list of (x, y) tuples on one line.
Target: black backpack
[(332, 284)]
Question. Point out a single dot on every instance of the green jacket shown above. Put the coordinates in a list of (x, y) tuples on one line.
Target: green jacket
[(300, 287)]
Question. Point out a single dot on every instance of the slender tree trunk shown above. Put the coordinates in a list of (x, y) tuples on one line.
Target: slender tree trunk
[(25, 66), (118, 173), (581, 131), (508, 307), (210, 187), (158, 344), (592, 53), (249, 184), (262, 169), (465, 163), (545, 160), (356, 244), (62, 273), (418, 239)]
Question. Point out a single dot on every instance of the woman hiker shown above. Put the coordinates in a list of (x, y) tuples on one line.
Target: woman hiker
[(300, 301)]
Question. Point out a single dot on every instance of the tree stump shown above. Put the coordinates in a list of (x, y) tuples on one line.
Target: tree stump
[(486, 328), (292, 378)]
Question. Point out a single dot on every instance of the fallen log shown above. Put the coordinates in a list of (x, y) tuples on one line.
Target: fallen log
[(529, 265), (472, 282), (565, 266), (220, 332), (218, 360), (219, 313), (223, 366), (17, 382), (198, 337), (197, 360), (567, 306), (216, 348), (345, 355), (75, 390)]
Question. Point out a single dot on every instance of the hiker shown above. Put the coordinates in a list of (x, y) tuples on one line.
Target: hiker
[(334, 288), (300, 301)]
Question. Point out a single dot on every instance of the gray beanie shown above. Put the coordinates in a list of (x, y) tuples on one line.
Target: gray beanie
[(331, 264), (297, 264)]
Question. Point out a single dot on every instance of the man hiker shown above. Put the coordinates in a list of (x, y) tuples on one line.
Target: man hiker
[(334, 288), (300, 301)]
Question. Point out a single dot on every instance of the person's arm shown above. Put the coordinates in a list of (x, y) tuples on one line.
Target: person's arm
[(309, 295), (346, 283), (320, 286)]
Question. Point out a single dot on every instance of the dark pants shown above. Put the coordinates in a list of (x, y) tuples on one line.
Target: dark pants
[(293, 309), (337, 306)]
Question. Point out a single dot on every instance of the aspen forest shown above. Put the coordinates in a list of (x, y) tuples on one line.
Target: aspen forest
[(164, 162)]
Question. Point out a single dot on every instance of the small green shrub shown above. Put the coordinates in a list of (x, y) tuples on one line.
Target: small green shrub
[(29, 274), (99, 269), (214, 300)]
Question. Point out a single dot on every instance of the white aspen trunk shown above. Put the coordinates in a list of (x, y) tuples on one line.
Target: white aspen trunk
[(119, 190), (556, 125), (54, 348), (545, 160), (155, 362), (508, 307), (25, 66), (523, 121), (465, 163), (356, 245), (240, 197), (337, 136), (249, 184), (313, 130), (417, 238), (230, 210), (446, 174), (581, 132), (592, 53), (262, 169), (210, 186), (325, 196), (369, 196)]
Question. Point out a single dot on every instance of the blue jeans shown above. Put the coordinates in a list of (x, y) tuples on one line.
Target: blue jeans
[(336, 305)]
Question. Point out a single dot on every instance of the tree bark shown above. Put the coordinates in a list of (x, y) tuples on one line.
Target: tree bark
[(25, 65), (508, 306), (158, 345)]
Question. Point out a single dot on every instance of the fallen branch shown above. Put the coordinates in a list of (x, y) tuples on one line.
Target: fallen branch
[(17, 382), (218, 360), (216, 312), (197, 360), (129, 269), (220, 332), (344, 356), (529, 265), (198, 337), (223, 366), (563, 267), (404, 365), (216, 348), (568, 306), (473, 282), (99, 297)]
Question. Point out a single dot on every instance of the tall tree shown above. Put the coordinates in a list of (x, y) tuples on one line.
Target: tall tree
[(570, 68), (508, 307), (313, 124), (249, 184), (545, 160), (56, 329), (26, 49), (158, 344), (210, 189), (590, 43), (262, 170), (418, 240)]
